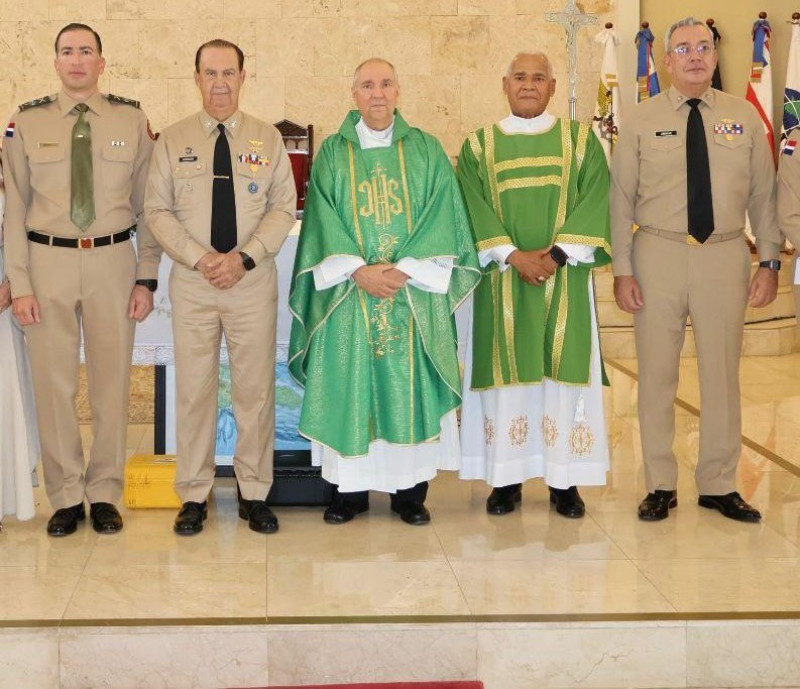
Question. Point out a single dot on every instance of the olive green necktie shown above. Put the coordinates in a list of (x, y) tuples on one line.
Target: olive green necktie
[(81, 207)]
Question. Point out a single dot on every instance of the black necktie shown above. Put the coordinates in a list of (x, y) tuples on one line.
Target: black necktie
[(223, 199), (698, 176)]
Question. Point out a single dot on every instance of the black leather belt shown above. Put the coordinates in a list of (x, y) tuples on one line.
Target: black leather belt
[(81, 242)]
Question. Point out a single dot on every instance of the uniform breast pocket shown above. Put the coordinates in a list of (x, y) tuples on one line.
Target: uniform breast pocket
[(731, 155), (187, 178), (49, 167), (255, 179), (117, 165)]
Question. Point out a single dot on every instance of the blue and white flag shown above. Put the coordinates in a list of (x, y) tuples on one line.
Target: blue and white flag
[(646, 75)]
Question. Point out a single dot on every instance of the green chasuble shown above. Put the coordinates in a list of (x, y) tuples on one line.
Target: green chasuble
[(379, 369), (533, 190)]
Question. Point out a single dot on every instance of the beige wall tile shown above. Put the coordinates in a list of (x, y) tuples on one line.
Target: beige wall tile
[(487, 7), (313, 8), (163, 9), (84, 11), (459, 44), (389, 8), (252, 9), (34, 10)]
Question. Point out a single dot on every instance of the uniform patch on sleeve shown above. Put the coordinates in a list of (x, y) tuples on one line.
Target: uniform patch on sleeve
[(788, 149), (10, 130)]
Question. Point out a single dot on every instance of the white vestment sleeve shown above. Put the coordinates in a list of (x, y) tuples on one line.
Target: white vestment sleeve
[(335, 269), (578, 253), (498, 254), (427, 274)]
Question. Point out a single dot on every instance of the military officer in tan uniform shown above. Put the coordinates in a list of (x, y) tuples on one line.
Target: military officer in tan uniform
[(789, 198), (221, 199), (685, 169), (75, 166)]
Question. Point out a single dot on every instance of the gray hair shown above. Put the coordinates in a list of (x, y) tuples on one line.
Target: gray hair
[(379, 60), (686, 21), (544, 57)]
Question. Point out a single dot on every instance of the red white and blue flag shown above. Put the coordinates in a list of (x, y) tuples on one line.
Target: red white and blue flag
[(791, 94), (759, 89), (646, 75)]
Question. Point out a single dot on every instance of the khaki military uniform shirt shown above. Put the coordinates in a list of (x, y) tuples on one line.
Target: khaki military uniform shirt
[(789, 190), (37, 163), (179, 190), (648, 172)]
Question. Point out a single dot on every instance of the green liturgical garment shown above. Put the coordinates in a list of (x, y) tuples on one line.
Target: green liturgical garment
[(379, 369), (533, 190)]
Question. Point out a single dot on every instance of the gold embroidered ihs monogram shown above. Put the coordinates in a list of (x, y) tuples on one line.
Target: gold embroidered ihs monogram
[(381, 198)]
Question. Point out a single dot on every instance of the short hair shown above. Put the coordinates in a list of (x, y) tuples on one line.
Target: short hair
[(379, 60), (219, 43), (76, 26), (686, 21), (541, 55)]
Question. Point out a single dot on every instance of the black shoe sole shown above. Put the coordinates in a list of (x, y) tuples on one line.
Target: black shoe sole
[(107, 529), (188, 532)]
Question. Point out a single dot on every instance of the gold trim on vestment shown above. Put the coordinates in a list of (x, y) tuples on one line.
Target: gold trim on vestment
[(514, 163), (475, 145), (497, 370), (411, 372), (599, 242), (405, 185), (488, 135), (580, 150), (524, 182), (493, 242), (561, 322), (508, 323), (354, 199)]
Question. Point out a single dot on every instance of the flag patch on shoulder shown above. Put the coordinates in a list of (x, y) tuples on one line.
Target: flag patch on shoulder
[(788, 149), (10, 130)]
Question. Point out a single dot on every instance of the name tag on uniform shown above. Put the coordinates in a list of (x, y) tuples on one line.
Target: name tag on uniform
[(667, 132), (187, 159), (46, 144)]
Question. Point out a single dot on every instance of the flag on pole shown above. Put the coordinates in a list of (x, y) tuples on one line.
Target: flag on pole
[(716, 80), (606, 113), (791, 94), (646, 75), (759, 89)]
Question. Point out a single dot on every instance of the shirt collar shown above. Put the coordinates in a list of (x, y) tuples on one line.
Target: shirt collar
[(514, 124), (233, 124), (373, 138), (67, 103), (677, 98)]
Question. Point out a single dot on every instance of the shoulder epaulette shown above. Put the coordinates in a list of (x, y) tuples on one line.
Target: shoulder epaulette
[(36, 102), (123, 101)]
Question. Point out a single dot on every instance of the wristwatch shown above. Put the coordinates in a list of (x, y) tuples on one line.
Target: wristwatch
[(558, 255), (152, 285), (772, 264), (247, 262)]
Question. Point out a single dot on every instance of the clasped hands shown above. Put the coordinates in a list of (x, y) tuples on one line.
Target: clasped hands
[(223, 271), (534, 267), (380, 280)]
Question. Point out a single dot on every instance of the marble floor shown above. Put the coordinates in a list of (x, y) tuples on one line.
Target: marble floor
[(517, 575)]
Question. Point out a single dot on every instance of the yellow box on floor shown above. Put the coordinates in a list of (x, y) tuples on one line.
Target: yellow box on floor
[(149, 482)]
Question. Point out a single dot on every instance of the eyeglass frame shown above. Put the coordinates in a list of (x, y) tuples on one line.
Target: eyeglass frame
[(684, 50)]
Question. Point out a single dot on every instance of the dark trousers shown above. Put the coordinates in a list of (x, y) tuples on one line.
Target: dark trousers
[(360, 499)]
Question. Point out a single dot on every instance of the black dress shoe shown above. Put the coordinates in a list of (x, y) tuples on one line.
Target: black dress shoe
[(190, 518), (105, 517), (502, 500), (732, 506), (65, 521), (414, 513), (341, 511), (260, 517), (656, 505), (568, 502)]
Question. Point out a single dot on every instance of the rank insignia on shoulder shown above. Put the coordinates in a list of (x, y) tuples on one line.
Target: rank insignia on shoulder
[(36, 102), (788, 149), (122, 101), (729, 128), (666, 132), (10, 130)]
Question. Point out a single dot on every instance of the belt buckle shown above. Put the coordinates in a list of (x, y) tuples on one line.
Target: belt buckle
[(86, 242), (691, 241)]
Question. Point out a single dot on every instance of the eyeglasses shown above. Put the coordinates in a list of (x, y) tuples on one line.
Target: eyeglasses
[(684, 50)]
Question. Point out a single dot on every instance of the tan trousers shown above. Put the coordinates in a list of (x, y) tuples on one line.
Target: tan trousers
[(709, 284), (89, 290), (246, 313)]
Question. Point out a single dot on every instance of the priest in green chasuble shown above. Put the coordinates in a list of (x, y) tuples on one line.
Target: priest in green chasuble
[(536, 189), (384, 259)]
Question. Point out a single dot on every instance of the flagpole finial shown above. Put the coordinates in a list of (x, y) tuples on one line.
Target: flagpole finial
[(609, 25), (709, 22), (645, 25), (795, 16), (762, 15)]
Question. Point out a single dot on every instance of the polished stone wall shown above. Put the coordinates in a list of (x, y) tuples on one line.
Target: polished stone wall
[(300, 54)]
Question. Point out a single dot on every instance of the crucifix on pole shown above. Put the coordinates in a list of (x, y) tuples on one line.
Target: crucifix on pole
[(572, 18)]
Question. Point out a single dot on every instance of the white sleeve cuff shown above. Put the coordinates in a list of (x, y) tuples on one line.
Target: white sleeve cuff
[(499, 254), (578, 253), (335, 269), (427, 274)]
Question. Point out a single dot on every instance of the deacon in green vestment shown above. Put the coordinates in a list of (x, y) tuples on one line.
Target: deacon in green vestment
[(536, 188), (385, 257)]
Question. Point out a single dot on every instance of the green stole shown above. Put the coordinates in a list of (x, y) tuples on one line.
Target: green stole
[(533, 190), (379, 368)]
